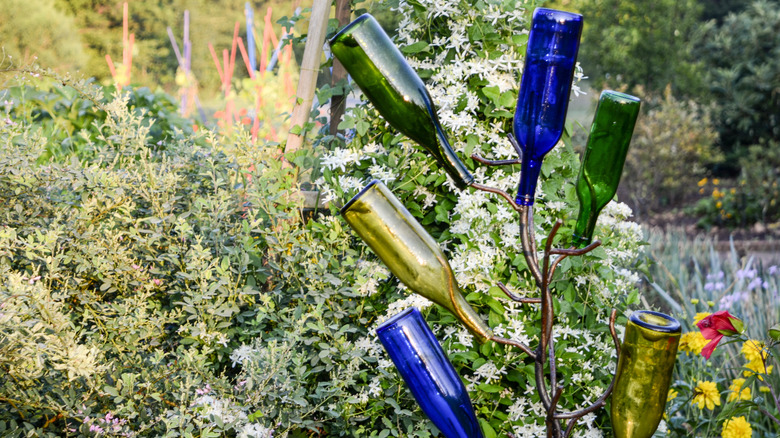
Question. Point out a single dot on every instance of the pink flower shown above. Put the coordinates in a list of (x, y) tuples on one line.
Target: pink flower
[(715, 327)]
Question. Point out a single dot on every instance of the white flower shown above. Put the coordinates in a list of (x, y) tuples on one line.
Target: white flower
[(489, 372), (252, 430), (340, 159), (242, 354)]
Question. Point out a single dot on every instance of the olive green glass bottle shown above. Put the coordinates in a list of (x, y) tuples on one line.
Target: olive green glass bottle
[(604, 157), (395, 89), (409, 252), (644, 373)]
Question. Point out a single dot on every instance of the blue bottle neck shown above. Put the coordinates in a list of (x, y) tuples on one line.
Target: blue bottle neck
[(529, 176)]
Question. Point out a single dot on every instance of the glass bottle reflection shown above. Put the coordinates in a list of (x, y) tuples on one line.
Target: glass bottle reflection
[(409, 252), (602, 164), (397, 92), (544, 91), (429, 374)]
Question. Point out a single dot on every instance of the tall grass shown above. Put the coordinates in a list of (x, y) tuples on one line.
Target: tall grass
[(689, 275), (686, 276)]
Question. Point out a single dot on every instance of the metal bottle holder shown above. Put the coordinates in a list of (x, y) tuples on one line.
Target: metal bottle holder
[(415, 258)]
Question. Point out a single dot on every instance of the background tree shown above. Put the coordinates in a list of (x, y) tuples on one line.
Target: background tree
[(742, 59), (35, 28), (632, 43)]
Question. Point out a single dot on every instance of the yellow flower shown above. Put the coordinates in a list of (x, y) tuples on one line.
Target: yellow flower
[(699, 316), (737, 392), (702, 182), (672, 395), (764, 389), (757, 367), (692, 342), (737, 427), (707, 395), (715, 181), (716, 194), (754, 350), (718, 204)]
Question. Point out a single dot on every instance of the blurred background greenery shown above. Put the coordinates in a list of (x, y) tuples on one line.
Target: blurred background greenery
[(707, 71)]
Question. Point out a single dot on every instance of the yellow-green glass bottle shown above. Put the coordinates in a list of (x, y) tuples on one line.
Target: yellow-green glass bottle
[(395, 89), (605, 154), (644, 373), (409, 252)]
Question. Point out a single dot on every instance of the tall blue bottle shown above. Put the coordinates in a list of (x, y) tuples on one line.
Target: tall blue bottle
[(550, 59), (429, 374)]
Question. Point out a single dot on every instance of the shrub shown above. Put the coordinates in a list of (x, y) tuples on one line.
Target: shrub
[(70, 117), (672, 146), (752, 199)]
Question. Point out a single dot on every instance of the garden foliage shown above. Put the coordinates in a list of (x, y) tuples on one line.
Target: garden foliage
[(673, 142), (173, 288), (691, 280)]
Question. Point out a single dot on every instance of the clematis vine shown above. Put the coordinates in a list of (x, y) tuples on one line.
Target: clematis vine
[(714, 327)]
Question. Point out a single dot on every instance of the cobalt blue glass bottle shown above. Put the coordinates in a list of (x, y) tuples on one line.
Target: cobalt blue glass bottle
[(429, 374), (550, 59)]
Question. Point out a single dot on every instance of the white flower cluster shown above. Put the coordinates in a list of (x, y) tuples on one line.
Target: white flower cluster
[(486, 231)]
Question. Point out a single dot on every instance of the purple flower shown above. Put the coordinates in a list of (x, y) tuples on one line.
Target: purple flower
[(745, 273), (754, 283)]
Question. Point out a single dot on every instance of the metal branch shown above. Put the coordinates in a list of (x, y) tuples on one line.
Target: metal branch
[(565, 253), (515, 145), (570, 426), (514, 297), (550, 420), (499, 192), (529, 244), (576, 252), (526, 349), (484, 161)]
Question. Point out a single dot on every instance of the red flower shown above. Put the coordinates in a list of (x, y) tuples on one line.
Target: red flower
[(715, 327)]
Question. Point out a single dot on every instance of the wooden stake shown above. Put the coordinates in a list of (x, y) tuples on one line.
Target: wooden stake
[(318, 26), (338, 103)]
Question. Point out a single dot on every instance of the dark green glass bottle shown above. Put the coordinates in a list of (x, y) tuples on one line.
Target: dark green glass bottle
[(394, 88), (604, 157)]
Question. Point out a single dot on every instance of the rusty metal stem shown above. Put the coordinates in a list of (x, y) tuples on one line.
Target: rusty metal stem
[(543, 276)]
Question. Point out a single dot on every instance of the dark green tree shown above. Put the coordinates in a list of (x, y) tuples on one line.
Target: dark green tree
[(742, 58), (637, 43)]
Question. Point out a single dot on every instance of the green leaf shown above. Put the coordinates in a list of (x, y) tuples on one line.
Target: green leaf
[(417, 47), (487, 429)]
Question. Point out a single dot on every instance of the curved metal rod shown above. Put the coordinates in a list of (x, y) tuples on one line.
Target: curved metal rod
[(499, 192), (514, 297), (570, 426), (576, 252), (601, 400), (555, 398), (487, 162), (565, 253), (528, 244), (515, 144), (554, 267), (528, 212), (526, 349)]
